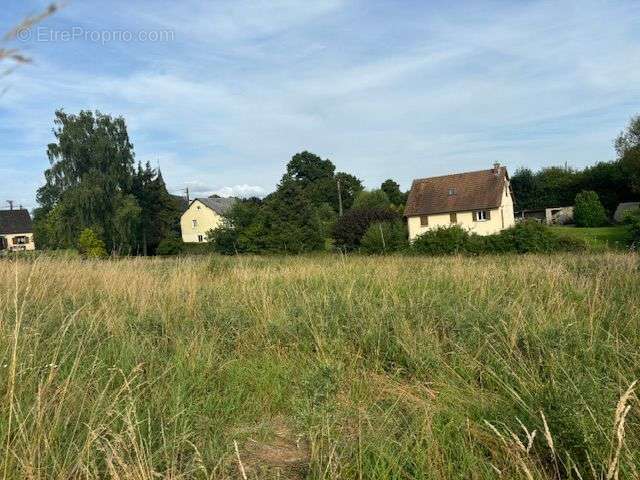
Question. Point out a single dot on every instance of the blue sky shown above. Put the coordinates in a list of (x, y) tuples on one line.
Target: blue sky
[(232, 89)]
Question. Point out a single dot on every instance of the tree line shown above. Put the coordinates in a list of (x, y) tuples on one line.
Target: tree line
[(94, 183), (95, 190), (310, 204), (614, 182)]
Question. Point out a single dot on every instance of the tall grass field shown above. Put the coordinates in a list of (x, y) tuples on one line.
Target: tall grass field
[(321, 367)]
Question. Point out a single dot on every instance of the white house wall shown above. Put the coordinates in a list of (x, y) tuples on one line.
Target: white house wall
[(206, 219)]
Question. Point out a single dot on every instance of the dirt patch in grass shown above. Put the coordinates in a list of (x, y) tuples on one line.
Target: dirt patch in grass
[(279, 453)]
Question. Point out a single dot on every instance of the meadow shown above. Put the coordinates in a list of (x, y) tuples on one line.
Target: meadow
[(598, 238), (321, 367)]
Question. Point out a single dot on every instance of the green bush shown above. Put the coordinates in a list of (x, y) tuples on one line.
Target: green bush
[(524, 237), (90, 246), (384, 237), (530, 237), (351, 227), (170, 246), (632, 221), (566, 243), (372, 199), (442, 241), (588, 210)]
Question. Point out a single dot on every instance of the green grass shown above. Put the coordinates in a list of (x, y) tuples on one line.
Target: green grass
[(615, 237), (320, 367)]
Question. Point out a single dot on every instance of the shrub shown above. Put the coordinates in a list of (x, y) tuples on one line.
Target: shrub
[(90, 246), (242, 230), (533, 237), (566, 243), (372, 199), (223, 239), (588, 210), (632, 221), (525, 237), (385, 237), (442, 241), (350, 228), (530, 237), (170, 246), (476, 244)]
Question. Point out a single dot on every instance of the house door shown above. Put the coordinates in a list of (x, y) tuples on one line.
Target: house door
[(3, 243)]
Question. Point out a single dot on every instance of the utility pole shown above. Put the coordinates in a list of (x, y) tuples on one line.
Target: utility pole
[(187, 192), (10, 202), (339, 198)]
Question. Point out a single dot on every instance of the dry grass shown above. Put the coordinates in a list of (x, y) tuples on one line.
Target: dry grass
[(320, 367)]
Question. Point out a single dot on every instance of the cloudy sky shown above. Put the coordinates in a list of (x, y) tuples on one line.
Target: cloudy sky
[(223, 93)]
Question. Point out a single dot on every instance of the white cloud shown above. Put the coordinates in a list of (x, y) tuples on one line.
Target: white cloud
[(243, 191), (383, 92)]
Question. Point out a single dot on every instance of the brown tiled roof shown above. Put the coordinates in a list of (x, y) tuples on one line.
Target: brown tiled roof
[(473, 191), (15, 221)]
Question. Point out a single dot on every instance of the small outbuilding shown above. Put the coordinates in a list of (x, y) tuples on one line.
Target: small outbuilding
[(550, 216), (623, 209)]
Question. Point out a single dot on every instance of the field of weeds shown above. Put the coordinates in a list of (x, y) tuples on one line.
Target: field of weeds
[(320, 367)]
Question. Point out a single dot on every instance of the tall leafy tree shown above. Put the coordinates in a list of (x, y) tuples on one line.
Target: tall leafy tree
[(611, 183), (372, 199), (350, 187), (290, 221), (126, 222), (525, 187), (322, 185), (298, 217), (160, 215), (392, 189), (242, 230), (306, 168), (91, 169), (628, 149), (558, 186)]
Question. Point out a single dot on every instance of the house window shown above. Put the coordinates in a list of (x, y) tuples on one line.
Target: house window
[(452, 191), (424, 221), (481, 216), (194, 223), (453, 217), (22, 240), (200, 238)]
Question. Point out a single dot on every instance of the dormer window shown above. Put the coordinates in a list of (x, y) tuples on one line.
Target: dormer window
[(452, 192)]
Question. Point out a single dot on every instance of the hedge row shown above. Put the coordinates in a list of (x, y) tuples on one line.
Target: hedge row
[(525, 237)]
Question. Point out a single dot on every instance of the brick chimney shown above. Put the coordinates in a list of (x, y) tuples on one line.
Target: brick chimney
[(496, 168)]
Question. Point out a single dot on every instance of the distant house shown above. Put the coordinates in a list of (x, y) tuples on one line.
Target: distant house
[(623, 209), (16, 230), (481, 202), (202, 215)]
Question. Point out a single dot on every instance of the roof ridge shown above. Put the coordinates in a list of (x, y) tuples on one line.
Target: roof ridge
[(502, 168)]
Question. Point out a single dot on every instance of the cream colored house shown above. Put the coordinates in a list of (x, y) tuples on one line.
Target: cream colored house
[(203, 214), (480, 202), (16, 231)]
